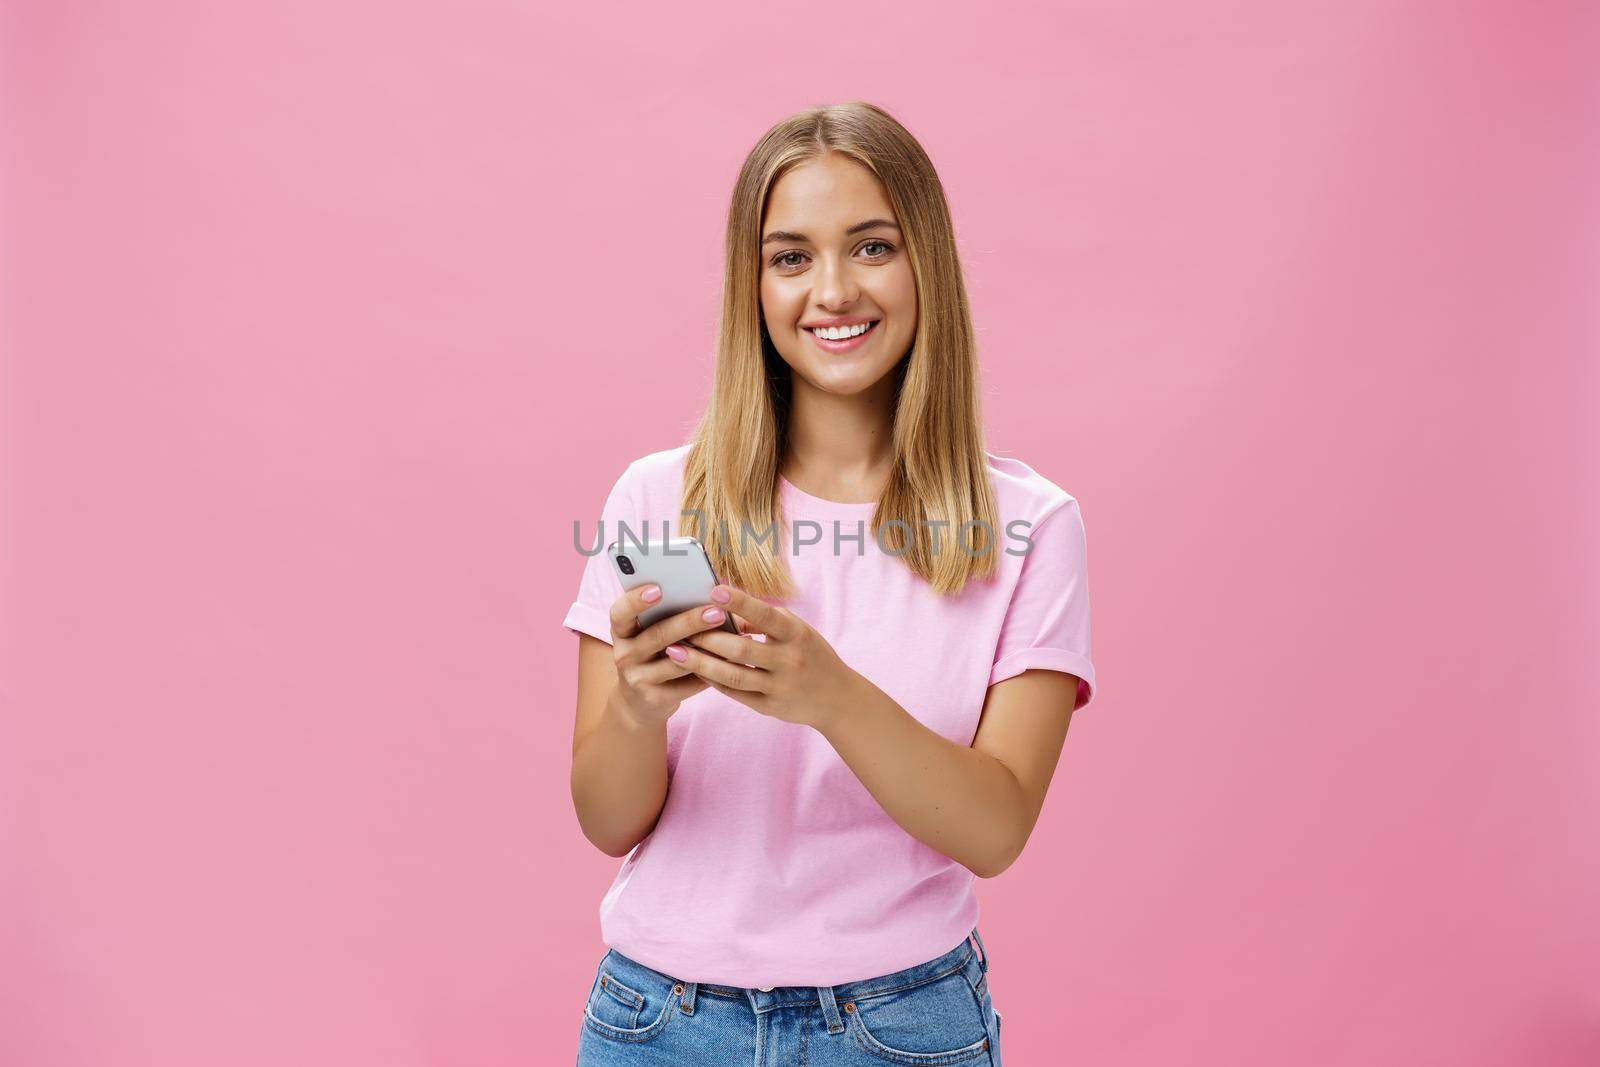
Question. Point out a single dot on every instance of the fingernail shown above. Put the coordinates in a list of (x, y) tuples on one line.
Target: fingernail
[(712, 615), (720, 594), (651, 594), (677, 653)]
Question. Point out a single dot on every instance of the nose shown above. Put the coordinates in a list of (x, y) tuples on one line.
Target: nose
[(836, 285)]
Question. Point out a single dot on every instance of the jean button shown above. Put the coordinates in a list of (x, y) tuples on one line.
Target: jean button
[(765, 988)]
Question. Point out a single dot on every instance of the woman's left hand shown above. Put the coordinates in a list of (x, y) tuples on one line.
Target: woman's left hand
[(794, 675)]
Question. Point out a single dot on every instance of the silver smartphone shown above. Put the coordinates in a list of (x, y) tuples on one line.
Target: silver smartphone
[(679, 566)]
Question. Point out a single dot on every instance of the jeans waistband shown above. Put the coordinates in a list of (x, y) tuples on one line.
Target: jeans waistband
[(962, 958)]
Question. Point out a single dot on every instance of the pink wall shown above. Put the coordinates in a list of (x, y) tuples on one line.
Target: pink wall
[(324, 321)]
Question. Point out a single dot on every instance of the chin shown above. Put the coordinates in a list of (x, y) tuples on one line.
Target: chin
[(848, 385)]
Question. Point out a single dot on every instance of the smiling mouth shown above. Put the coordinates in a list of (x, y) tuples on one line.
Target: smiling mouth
[(847, 343)]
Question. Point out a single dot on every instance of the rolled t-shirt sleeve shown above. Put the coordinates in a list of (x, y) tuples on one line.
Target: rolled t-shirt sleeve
[(1046, 626), (599, 586)]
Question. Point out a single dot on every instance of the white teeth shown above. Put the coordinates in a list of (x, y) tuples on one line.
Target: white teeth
[(840, 333)]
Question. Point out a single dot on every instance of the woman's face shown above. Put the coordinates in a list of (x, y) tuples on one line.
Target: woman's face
[(820, 263)]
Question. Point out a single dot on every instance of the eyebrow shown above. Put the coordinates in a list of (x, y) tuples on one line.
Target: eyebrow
[(785, 235)]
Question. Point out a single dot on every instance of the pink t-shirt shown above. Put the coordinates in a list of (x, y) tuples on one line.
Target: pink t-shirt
[(771, 864)]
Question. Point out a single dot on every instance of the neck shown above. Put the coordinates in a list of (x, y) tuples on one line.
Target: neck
[(840, 447)]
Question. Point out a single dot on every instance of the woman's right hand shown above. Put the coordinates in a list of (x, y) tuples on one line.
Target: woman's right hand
[(650, 684)]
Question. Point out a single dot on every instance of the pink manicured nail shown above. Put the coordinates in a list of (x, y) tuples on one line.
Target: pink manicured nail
[(720, 594), (712, 615), (677, 653), (651, 594)]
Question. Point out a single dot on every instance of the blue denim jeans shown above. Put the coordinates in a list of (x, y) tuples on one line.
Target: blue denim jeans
[(938, 1012)]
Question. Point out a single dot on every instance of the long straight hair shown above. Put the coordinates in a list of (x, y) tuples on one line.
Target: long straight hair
[(940, 473)]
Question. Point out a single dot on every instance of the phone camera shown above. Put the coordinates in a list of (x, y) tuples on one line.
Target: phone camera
[(626, 564)]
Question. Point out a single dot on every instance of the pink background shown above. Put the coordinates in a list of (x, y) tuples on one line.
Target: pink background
[(324, 321)]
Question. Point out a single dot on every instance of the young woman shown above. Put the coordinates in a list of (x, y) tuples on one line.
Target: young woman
[(805, 811)]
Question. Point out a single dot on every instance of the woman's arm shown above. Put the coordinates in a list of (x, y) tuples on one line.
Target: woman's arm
[(627, 691), (977, 805), (619, 764)]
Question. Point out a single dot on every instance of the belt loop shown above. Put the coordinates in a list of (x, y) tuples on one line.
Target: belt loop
[(983, 961), (830, 1009), (689, 990)]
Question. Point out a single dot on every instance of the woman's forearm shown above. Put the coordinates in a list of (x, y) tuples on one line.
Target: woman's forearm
[(619, 779), (953, 798)]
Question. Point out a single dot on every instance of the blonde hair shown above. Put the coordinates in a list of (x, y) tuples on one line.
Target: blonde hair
[(940, 468)]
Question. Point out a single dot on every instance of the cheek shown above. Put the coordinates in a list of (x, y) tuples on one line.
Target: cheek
[(899, 295), (905, 322), (777, 302)]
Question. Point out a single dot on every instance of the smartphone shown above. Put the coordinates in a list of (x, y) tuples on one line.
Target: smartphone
[(679, 566)]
